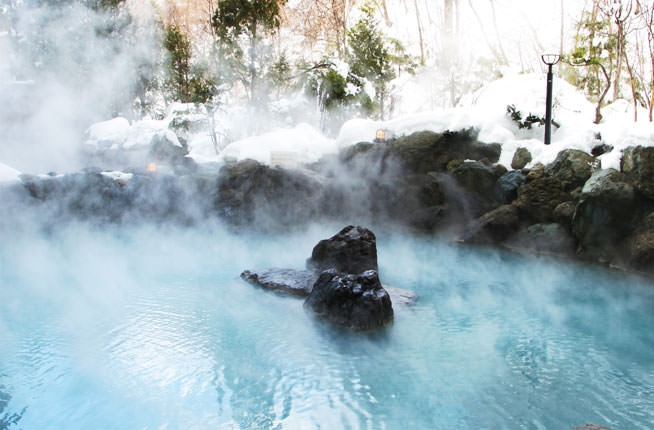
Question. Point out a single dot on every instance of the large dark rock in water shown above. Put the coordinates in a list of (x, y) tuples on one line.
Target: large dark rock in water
[(638, 164), (299, 283), (355, 301), (573, 167), (352, 250)]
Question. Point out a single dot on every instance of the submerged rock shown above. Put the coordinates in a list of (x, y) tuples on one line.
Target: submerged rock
[(287, 281), (548, 238), (591, 427), (299, 283), (352, 250), (355, 301)]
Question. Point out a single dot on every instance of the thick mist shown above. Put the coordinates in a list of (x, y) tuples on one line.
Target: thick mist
[(69, 66)]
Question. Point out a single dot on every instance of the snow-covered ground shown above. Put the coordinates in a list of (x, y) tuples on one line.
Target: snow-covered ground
[(485, 110)]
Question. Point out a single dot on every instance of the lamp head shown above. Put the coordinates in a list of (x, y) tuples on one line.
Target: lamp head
[(550, 59)]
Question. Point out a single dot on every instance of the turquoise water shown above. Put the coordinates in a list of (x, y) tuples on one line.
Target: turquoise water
[(152, 329)]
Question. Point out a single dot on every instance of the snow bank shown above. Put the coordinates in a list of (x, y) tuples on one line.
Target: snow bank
[(305, 141), (486, 110), (141, 132), (8, 174), (106, 134)]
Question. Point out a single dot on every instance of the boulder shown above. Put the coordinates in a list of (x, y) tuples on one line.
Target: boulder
[(537, 171), (506, 187), (601, 149), (426, 151), (352, 250), (286, 281), (299, 283), (521, 158), (268, 198), (474, 176), (637, 164), (538, 199), (604, 214), (165, 147), (494, 226), (564, 212), (357, 301), (573, 167), (641, 250), (548, 238)]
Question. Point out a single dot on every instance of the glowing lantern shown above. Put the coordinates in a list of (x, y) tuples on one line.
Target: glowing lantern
[(380, 136), (152, 167)]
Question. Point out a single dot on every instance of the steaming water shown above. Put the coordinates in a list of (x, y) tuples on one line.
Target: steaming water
[(152, 329)]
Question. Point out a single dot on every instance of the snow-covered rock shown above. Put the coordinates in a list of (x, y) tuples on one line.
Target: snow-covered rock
[(108, 134), (141, 132), (308, 143)]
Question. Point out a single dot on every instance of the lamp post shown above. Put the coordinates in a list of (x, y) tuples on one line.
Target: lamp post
[(550, 60)]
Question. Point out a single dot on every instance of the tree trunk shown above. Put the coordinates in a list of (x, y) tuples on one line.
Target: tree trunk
[(496, 54), (598, 114), (447, 33), (253, 67), (561, 51), (497, 34), (422, 47)]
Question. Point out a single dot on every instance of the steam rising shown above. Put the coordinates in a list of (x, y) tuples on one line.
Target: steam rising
[(68, 71)]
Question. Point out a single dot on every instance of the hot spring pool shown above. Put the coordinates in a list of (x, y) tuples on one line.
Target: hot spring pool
[(152, 329)]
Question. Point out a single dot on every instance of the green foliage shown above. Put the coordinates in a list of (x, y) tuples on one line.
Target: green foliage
[(368, 52), (371, 56), (594, 49), (188, 83), (529, 121), (240, 26), (279, 74)]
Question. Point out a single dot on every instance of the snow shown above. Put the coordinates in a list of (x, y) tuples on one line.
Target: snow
[(112, 133), (308, 143), (8, 174), (118, 176), (141, 132), (484, 110)]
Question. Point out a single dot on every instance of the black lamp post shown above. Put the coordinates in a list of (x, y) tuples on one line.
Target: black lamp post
[(550, 60)]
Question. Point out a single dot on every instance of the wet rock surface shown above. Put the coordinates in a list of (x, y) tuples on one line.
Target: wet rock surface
[(355, 301), (287, 281), (352, 250), (444, 183), (348, 293), (299, 283)]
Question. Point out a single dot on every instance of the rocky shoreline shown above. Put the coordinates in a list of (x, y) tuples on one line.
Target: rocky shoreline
[(446, 184)]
